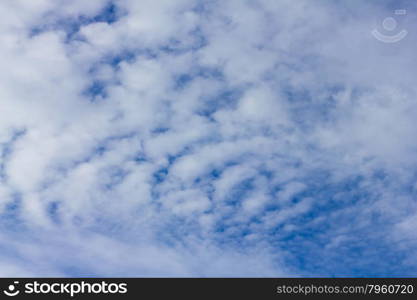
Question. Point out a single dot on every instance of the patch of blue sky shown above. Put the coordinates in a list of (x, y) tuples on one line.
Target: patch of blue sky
[(11, 219), (239, 192), (364, 254), (110, 14), (124, 55), (96, 90), (308, 243), (160, 175), (72, 25), (315, 248)]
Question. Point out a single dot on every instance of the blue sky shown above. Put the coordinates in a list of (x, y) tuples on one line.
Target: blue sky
[(207, 138)]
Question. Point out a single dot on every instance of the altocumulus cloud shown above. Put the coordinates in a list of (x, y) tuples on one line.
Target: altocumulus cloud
[(206, 138)]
